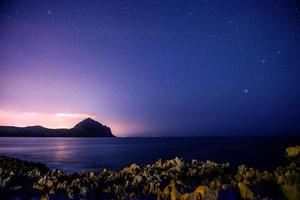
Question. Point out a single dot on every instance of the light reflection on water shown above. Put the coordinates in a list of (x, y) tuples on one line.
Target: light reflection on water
[(77, 154), (60, 151)]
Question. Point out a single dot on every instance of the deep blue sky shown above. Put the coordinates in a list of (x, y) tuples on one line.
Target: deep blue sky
[(152, 68)]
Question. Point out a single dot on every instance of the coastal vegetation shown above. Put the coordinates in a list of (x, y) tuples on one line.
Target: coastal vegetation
[(174, 179)]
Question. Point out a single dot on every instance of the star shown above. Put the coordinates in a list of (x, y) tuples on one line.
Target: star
[(49, 12), (246, 90)]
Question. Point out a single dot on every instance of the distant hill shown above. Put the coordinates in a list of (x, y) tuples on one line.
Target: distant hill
[(85, 128)]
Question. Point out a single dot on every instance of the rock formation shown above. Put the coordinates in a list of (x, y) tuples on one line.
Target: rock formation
[(85, 128)]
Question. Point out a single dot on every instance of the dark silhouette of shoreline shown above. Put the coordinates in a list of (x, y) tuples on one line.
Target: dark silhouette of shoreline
[(85, 128)]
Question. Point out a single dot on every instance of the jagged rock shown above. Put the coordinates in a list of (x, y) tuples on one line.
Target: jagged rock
[(293, 154), (194, 162), (132, 169), (170, 192), (84, 191), (45, 197), (172, 179), (5, 182), (206, 193), (291, 192), (201, 192), (49, 183), (215, 184), (191, 196), (17, 187), (137, 179), (245, 191), (158, 164)]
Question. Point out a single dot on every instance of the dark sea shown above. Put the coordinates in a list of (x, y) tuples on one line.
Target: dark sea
[(77, 154)]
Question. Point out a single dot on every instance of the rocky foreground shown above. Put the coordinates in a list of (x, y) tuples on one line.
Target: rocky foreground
[(173, 179)]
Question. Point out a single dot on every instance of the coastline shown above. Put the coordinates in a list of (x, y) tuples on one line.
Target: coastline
[(170, 179)]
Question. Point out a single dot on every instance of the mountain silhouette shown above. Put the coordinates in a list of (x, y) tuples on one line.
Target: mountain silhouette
[(85, 128)]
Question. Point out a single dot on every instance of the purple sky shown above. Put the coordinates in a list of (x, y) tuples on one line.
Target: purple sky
[(152, 68)]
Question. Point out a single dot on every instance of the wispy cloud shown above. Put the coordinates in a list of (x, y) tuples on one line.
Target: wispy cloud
[(74, 115), (29, 113), (51, 120), (64, 120)]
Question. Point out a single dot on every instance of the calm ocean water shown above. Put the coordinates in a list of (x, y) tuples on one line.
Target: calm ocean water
[(77, 154)]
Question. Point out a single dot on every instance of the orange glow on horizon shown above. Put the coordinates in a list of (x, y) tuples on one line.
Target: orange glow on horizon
[(49, 120), (63, 120)]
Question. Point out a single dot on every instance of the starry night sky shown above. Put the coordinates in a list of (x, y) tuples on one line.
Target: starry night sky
[(152, 68)]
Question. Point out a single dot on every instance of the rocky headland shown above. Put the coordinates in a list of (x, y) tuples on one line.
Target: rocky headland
[(85, 128), (174, 179)]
